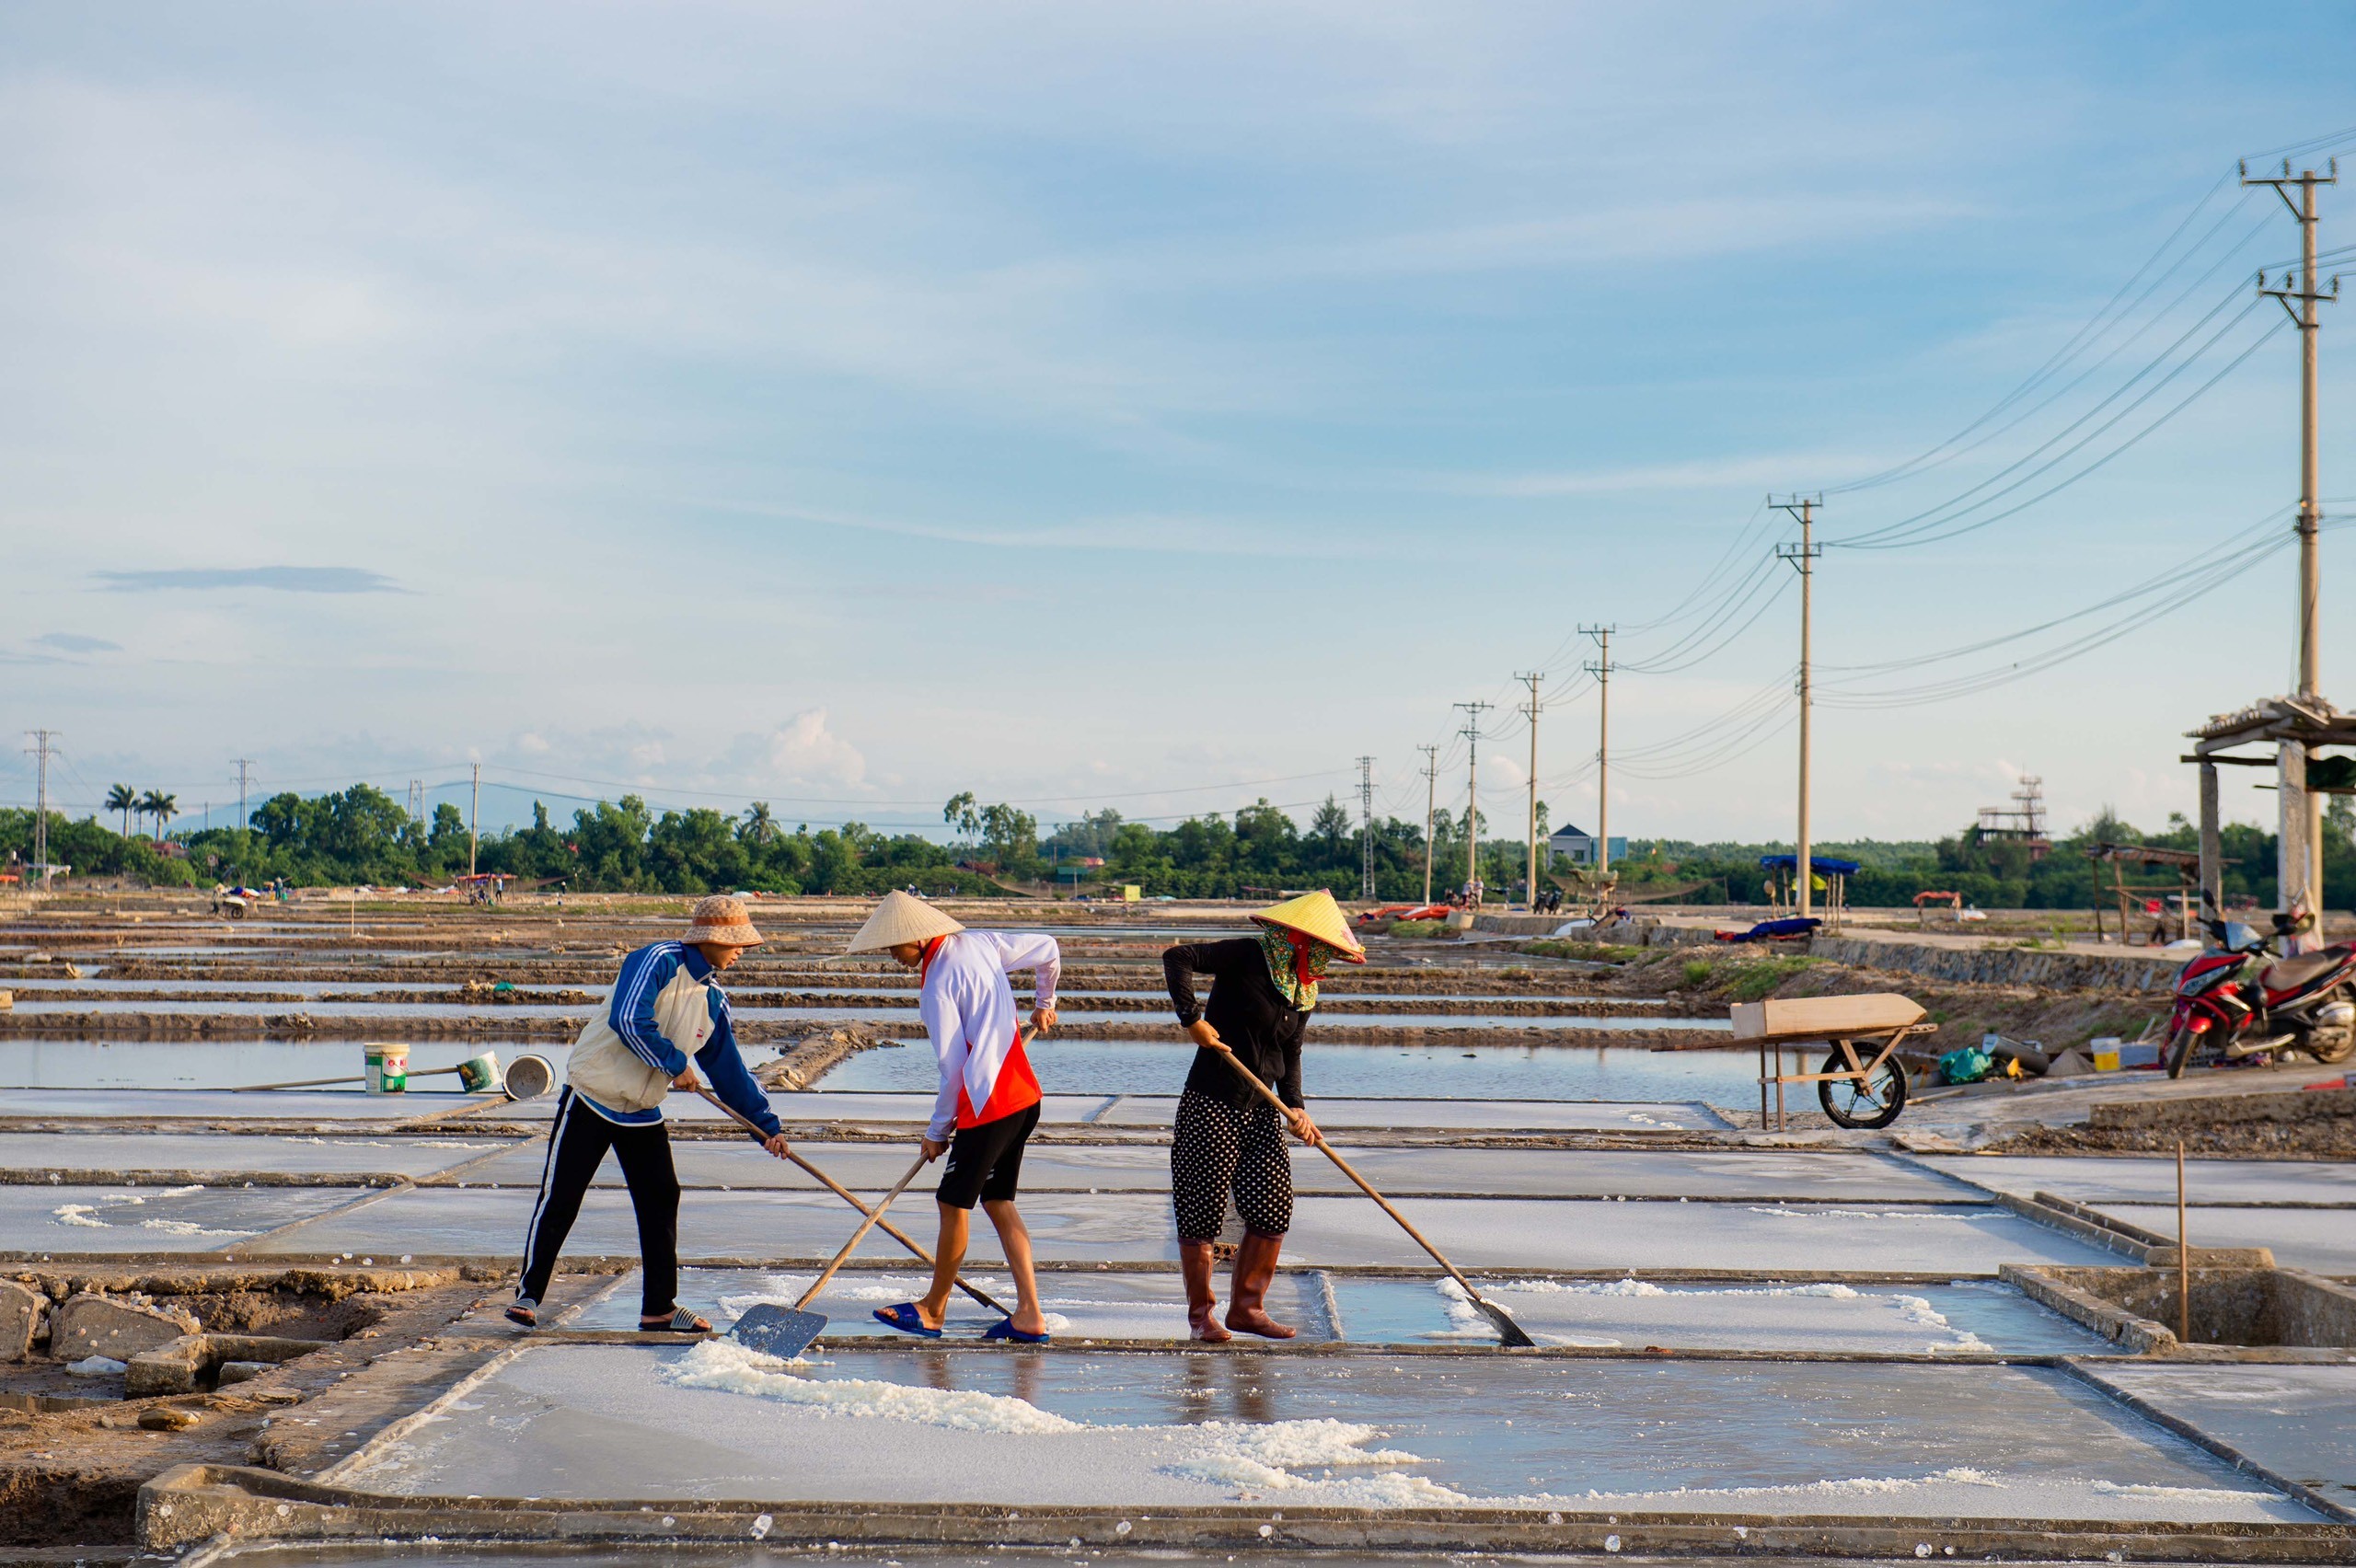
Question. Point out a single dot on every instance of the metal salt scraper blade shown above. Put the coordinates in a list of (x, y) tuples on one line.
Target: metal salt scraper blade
[(1509, 1332), (783, 1332)]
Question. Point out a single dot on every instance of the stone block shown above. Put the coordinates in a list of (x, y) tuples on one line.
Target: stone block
[(243, 1371), (19, 1319), (174, 1367), (90, 1325)]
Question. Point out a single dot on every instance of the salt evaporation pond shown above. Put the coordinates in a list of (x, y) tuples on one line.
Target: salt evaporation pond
[(1958, 1317), (1466, 1072), (1368, 1430)]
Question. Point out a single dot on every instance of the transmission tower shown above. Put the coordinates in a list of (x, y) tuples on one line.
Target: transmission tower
[(1471, 732), (2299, 853), (417, 802), (1529, 883), (244, 819), (1431, 786), (1802, 556), (40, 750), (1601, 671), (1366, 828)]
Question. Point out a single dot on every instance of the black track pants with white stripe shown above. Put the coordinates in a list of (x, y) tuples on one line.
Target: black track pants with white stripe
[(577, 1146)]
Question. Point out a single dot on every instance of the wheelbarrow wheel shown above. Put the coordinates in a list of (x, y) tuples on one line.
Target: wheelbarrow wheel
[(1874, 1102)]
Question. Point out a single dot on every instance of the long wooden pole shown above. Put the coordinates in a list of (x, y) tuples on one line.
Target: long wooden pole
[(873, 1218), (894, 1231), (1504, 1321), (2183, 1257)]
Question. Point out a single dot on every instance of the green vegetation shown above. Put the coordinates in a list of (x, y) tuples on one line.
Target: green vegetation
[(362, 835), (1761, 978), (1593, 952), (1995, 875), (1699, 971)]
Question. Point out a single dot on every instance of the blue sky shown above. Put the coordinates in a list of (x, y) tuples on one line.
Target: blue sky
[(846, 406)]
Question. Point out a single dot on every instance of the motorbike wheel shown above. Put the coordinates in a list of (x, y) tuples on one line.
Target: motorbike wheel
[(2331, 1049), (2179, 1051), (1873, 1104)]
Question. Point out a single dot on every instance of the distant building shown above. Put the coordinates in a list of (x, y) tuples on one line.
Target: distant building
[(1577, 846)]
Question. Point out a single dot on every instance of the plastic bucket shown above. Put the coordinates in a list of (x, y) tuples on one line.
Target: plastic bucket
[(480, 1074), (387, 1069), (529, 1078)]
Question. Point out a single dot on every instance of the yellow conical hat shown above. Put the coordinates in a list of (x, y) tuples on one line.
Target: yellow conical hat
[(1316, 914), (901, 917)]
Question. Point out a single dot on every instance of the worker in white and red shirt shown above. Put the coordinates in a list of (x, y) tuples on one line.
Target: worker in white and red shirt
[(990, 1097)]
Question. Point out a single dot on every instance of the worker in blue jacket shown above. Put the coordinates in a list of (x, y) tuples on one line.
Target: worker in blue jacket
[(666, 1007)]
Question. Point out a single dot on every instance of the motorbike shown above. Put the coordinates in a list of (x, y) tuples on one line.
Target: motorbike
[(2229, 1000)]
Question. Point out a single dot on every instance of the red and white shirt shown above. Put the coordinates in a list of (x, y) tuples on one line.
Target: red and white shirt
[(968, 1009)]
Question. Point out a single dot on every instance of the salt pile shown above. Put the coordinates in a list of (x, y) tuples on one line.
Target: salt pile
[(1731, 1310), (1253, 1456)]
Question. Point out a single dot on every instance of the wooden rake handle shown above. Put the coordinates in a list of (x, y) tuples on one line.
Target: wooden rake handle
[(1363, 1184), (857, 1236), (894, 1231)]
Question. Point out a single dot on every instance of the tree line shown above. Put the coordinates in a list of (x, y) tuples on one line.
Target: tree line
[(362, 836)]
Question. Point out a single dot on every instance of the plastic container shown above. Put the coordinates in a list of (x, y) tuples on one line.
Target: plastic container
[(529, 1077), (480, 1074), (2105, 1052), (388, 1071)]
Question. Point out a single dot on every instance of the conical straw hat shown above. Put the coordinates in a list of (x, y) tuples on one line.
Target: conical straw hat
[(1316, 914), (901, 917)]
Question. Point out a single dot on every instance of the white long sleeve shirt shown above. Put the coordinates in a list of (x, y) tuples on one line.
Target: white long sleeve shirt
[(968, 1009)]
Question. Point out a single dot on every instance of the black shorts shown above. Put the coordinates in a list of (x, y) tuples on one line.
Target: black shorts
[(985, 1162)]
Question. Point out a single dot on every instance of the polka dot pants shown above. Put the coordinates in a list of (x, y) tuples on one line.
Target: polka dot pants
[(1217, 1149)]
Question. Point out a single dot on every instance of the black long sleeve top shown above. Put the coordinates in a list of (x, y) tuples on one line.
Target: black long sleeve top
[(1250, 1015)]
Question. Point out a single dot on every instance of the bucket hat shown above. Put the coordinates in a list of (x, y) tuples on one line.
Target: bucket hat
[(901, 917), (724, 920), (1316, 914)]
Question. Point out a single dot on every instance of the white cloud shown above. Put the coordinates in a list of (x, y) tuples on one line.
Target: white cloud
[(802, 751)]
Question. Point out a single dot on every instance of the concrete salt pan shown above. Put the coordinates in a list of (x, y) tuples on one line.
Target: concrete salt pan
[(68, 1220), (939, 1426)]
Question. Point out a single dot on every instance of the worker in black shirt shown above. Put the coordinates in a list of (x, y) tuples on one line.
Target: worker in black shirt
[(1228, 1139)]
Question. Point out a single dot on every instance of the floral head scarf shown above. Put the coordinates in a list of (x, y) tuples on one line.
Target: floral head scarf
[(1296, 962)]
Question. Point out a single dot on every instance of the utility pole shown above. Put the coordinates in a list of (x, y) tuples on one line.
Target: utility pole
[(40, 749), (1471, 732), (1802, 556), (2299, 867), (1431, 787), (1366, 828), (1601, 671), (474, 818), (1530, 884), (244, 820)]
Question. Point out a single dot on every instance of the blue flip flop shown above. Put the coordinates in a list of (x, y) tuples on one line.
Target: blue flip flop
[(904, 1318), (1004, 1329)]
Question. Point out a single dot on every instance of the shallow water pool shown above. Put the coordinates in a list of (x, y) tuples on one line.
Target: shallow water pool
[(1469, 1072)]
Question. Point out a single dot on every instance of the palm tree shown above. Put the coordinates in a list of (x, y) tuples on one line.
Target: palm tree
[(160, 806), (123, 799), (759, 827)]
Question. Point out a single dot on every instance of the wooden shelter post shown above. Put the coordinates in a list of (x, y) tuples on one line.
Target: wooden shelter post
[(2292, 857), (2212, 867)]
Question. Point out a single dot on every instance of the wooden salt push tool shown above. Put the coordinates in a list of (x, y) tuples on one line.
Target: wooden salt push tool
[(894, 1231), (785, 1332), (1508, 1331)]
